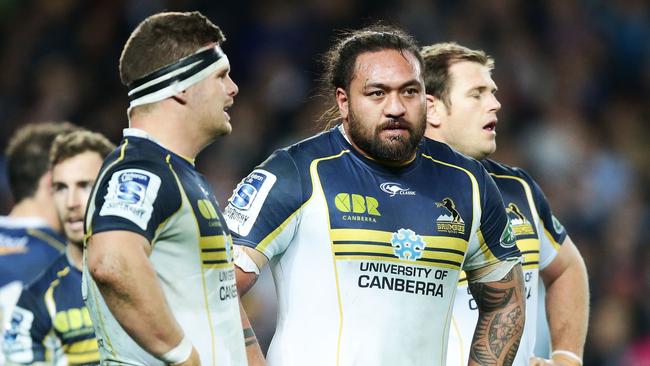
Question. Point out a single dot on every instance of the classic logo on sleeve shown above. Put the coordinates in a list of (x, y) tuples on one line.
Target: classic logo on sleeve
[(131, 194), (247, 200)]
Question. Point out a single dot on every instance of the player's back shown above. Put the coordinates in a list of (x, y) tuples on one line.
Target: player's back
[(27, 247), (146, 189)]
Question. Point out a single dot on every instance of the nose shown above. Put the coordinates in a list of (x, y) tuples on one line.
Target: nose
[(233, 89), (394, 106), (495, 105), (72, 199)]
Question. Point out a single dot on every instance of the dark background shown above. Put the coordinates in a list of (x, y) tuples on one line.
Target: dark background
[(573, 77)]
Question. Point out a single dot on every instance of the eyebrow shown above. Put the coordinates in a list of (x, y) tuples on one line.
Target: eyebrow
[(412, 82), (483, 88)]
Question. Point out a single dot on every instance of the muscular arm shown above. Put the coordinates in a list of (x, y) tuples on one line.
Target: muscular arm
[(567, 299), (245, 281), (502, 309), (118, 262), (253, 350)]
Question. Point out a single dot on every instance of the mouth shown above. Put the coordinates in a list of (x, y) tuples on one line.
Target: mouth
[(491, 126), (226, 109), (75, 223), (395, 130)]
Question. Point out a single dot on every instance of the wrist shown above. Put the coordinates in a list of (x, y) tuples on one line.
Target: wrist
[(178, 354), (566, 357)]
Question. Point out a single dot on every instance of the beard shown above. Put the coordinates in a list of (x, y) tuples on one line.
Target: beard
[(394, 149)]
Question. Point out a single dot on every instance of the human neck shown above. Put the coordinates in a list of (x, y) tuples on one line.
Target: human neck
[(75, 255), (173, 133), (436, 135), (33, 207)]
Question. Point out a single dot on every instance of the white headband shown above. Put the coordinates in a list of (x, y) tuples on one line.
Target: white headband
[(174, 78)]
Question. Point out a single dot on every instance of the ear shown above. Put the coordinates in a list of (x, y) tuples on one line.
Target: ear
[(181, 97), (435, 110), (45, 182), (342, 103)]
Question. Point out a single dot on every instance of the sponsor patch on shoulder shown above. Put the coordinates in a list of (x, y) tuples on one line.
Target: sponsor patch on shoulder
[(131, 194), (557, 226), (247, 199), (508, 238)]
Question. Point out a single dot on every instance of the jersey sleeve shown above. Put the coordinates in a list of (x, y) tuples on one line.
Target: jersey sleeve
[(264, 210), (496, 239), (135, 196), (30, 324), (551, 232)]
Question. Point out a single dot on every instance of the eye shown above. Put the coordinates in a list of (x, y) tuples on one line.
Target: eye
[(411, 91), (376, 93), (58, 187)]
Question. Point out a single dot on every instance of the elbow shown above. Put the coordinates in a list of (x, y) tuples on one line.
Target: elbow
[(102, 268), (245, 280)]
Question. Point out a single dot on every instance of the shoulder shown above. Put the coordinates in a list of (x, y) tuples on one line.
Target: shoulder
[(137, 153), (50, 274), (137, 169), (325, 144), (444, 154), (497, 168)]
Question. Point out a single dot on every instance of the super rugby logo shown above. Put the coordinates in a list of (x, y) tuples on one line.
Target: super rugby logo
[(452, 222), (395, 189), (247, 199), (244, 195)]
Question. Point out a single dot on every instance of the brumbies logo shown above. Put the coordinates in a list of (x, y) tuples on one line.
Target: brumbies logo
[(520, 224), (407, 244), (452, 223)]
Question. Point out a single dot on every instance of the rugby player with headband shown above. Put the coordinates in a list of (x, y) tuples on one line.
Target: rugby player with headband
[(159, 280)]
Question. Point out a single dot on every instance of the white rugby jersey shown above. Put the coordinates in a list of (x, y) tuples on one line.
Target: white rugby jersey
[(539, 235), (146, 189), (366, 258)]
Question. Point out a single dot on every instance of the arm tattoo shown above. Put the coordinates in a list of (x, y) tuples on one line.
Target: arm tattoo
[(249, 337), (501, 319)]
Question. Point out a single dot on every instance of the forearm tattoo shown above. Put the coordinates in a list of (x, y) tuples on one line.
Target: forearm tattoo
[(501, 319)]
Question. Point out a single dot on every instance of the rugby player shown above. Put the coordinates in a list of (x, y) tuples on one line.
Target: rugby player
[(159, 277), (462, 112), (52, 305), (365, 249)]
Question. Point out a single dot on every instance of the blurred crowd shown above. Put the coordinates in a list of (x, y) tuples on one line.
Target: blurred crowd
[(573, 79)]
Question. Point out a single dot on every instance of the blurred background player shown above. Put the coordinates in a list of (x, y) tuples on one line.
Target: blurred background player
[(364, 250), (462, 112), (158, 265), (51, 305), (29, 235)]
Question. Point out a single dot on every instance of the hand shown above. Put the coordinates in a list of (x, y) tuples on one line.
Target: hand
[(539, 361), (194, 359)]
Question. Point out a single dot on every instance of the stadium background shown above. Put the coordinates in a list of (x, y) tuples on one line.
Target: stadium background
[(574, 79)]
